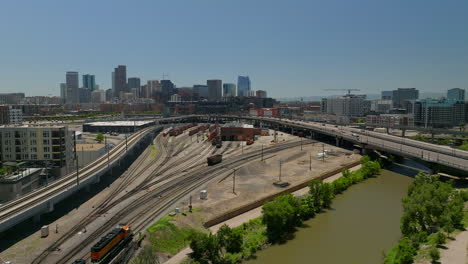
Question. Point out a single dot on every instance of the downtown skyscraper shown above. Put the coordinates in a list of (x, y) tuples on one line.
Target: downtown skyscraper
[(72, 83), (215, 90), (243, 86), (119, 81), (89, 82)]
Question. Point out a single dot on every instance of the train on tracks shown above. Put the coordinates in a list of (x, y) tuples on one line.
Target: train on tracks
[(215, 159), (109, 245)]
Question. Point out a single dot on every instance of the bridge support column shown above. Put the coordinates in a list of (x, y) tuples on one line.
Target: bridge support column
[(337, 139), (403, 131), (363, 151), (37, 219), (50, 207)]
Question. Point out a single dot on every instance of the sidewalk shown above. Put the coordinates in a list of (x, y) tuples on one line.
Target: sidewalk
[(245, 217)]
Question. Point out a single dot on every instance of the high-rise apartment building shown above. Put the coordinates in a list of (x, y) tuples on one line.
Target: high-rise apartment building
[(403, 95), (167, 89), (438, 113), (63, 91), (214, 89), (243, 86), (348, 105), (134, 86), (456, 94), (10, 115), (72, 87), (36, 145), (154, 87), (89, 82), (229, 90), (120, 81)]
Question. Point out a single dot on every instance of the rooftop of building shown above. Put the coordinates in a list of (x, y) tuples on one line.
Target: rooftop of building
[(18, 175), (32, 126), (120, 123), (237, 124)]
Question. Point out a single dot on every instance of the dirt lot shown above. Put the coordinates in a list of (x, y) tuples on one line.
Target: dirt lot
[(255, 180)]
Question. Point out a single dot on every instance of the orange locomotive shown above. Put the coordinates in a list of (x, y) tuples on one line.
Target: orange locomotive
[(110, 241)]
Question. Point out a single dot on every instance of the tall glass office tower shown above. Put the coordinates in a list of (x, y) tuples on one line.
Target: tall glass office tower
[(243, 86)]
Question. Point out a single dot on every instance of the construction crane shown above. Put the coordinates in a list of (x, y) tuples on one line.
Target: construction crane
[(349, 90)]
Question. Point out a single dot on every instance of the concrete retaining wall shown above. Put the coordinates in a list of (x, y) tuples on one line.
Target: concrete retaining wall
[(240, 210)]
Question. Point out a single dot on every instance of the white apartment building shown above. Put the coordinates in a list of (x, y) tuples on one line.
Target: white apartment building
[(37, 145), (349, 105)]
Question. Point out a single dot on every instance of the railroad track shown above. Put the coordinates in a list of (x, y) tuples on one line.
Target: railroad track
[(39, 196), (155, 202), (134, 171)]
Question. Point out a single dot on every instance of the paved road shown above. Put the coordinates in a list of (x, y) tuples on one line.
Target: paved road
[(403, 146)]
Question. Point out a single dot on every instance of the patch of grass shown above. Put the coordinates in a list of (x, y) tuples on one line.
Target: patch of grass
[(167, 237), (464, 146), (154, 151)]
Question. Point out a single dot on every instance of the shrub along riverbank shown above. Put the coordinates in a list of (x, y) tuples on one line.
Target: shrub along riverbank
[(278, 222), (431, 211)]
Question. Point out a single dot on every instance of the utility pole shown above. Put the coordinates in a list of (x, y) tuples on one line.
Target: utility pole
[(126, 147), (107, 148), (82, 156), (234, 182), (280, 172), (190, 204), (77, 172), (323, 152), (242, 145), (310, 161), (301, 143), (262, 152)]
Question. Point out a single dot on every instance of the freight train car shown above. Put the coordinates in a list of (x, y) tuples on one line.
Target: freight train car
[(214, 159), (166, 131), (110, 242)]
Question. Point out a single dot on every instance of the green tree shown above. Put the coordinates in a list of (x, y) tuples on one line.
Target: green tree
[(315, 193), (281, 216), (431, 206), (229, 240), (327, 194), (205, 248), (402, 253), (99, 137)]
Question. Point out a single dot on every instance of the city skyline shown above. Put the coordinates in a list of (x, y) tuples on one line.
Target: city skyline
[(307, 52)]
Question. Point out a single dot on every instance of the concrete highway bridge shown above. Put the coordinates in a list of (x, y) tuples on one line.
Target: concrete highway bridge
[(364, 139), (42, 200)]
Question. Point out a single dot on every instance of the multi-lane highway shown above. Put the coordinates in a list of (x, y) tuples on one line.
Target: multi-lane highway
[(402, 146)]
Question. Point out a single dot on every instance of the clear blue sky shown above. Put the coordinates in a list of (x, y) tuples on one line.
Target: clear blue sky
[(289, 48)]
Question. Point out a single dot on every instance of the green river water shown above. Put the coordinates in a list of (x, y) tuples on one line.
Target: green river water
[(363, 223)]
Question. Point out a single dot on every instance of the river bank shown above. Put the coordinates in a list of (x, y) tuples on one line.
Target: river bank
[(259, 233), (362, 223)]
